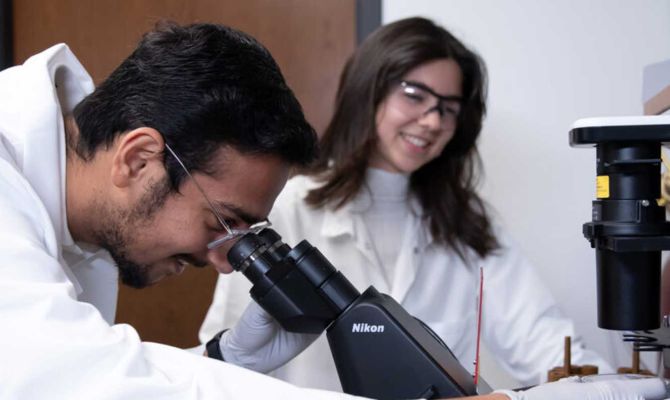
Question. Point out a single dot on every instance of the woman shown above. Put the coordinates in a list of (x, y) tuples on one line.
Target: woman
[(391, 202)]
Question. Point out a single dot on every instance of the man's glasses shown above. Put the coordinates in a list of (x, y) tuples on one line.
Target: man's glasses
[(231, 233), (418, 100)]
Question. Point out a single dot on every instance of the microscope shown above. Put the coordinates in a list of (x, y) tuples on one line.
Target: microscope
[(379, 349), (628, 229)]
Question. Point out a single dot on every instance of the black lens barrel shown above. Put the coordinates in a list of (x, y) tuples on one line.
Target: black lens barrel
[(628, 282)]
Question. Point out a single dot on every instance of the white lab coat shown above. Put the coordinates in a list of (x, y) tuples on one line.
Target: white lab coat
[(56, 297), (522, 325)]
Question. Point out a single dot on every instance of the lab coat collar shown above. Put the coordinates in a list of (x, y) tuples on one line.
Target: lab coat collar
[(337, 222), (69, 83), (340, 221), (57, 73)]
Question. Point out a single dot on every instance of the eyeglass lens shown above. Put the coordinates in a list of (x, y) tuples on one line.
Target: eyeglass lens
[(419, 101), (237, 233)]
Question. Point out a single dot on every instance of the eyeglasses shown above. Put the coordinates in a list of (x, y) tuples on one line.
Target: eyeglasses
[(230, 234), (418, 100)]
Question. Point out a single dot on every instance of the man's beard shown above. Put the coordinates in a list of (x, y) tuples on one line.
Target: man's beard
[(120, 227)]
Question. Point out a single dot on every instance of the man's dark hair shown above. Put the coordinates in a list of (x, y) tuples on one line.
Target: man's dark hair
[(201, 86)]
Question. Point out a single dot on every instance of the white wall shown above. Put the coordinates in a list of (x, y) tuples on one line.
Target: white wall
[(550, 63)]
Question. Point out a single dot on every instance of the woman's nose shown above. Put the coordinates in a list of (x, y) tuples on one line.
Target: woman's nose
[(432, 119)]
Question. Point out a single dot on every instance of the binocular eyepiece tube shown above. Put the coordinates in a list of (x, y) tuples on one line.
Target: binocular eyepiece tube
[(298, 286)]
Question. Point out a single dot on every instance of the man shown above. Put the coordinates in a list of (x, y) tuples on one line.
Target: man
[(183, 148), (95, 182)]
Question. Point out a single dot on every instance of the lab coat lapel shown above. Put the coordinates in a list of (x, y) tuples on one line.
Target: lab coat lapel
[(407, 262), (39, 143), (365, 246), (337, 222), (347, 221), (415, 241)]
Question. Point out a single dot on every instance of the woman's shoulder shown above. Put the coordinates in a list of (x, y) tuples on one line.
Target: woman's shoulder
[(291, 201), (296, 190), (292, 217), (300, 185)]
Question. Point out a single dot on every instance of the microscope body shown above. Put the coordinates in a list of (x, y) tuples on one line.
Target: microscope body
[(379, 349)]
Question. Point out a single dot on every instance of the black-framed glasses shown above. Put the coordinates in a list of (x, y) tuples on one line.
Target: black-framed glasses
[(231, 233), (420, 99)]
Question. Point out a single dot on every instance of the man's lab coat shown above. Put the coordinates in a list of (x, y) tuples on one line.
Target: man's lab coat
[(57, 298)]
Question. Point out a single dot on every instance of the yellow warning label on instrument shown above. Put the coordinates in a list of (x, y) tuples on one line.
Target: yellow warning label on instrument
[(603, 186)]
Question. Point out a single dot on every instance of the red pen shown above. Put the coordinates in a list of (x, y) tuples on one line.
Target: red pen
[(479, 321)]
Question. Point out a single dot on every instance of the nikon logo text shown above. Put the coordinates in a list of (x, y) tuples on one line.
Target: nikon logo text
[(367, 328)]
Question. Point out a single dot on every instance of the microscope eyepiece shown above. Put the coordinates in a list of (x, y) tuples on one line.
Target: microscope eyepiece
[(241, 254), (276, 247)]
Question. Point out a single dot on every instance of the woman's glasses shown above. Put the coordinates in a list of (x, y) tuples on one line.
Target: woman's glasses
[(418, 100)]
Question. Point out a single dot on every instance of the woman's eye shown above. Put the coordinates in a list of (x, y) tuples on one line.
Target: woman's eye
[(449, 111), (414, 97)]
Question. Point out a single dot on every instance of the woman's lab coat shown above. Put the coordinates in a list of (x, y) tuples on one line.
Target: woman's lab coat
[(521, 323), (57, 298)]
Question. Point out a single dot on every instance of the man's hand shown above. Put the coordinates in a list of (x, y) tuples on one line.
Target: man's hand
[(259, 343), (596, 389)]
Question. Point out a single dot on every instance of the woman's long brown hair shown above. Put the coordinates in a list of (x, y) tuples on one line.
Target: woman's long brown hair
[(446, 186)]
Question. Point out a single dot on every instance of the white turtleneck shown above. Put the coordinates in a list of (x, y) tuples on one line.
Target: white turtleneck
[(386, 215)]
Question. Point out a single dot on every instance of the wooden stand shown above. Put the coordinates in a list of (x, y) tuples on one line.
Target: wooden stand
[(570, 370), (635, 369)]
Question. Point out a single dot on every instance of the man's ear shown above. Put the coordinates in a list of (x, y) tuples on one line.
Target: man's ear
[(136, 156)]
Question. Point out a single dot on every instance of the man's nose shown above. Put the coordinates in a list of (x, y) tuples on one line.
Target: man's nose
[(218, 258)]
